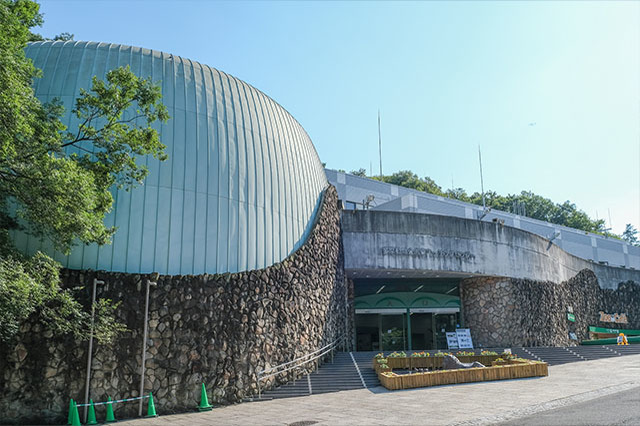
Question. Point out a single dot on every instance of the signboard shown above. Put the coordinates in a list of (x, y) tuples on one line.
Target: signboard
[(614, 331), (617, 318), (573, 336), (571, 317), (452, 340), (464, 338)]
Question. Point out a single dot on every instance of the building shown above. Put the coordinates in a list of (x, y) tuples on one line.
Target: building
[(239, 190), (264, 256), (409, 254)]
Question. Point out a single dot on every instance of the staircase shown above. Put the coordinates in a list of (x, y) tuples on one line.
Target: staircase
[(341, 374)]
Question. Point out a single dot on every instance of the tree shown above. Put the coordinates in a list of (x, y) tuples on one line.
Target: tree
[(49, 191), (360, 172), (63, 37), (630, 235)]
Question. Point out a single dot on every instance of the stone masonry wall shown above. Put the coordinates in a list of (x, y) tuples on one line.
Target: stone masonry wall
[(504, 312), (216, 329)]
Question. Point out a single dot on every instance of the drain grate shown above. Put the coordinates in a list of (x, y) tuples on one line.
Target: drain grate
[(303, 423)]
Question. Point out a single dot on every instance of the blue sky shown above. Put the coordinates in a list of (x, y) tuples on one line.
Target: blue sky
[(446, 76)]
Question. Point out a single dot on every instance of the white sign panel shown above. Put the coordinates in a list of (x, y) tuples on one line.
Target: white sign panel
[(452, 340), (464, 338)]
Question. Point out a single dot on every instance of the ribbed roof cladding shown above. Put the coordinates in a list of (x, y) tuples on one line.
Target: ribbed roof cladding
[(241, 185)]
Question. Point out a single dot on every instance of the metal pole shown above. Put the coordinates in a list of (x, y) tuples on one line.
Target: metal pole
[(484, 206), (409, 329), (144, 346), (380, 144), (93, 311)]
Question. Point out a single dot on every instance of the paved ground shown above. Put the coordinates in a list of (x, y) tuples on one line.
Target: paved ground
[(622, 408), (466, 404)]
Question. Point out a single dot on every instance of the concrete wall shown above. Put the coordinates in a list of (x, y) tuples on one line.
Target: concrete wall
[(353, 190), (379, 240)]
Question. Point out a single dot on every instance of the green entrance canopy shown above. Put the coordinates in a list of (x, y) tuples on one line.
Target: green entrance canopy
[(407, 300)]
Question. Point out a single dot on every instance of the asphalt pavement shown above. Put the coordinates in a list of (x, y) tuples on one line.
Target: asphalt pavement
[(622, 408)]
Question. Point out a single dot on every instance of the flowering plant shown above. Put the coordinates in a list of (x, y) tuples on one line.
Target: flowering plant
[(422, 354), (441, 353), (488, 353), (397, 355), (464, 353), (382, 360), (379, 355), (389, 374)]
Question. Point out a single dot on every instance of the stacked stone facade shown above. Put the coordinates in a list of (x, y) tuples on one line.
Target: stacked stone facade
[(504, 312), (220, 330)]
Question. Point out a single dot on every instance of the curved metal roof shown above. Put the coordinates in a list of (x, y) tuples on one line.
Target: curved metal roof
[(240, 188)]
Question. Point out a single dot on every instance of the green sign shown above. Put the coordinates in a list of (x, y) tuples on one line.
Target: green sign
[(571, 317), (614, 331)]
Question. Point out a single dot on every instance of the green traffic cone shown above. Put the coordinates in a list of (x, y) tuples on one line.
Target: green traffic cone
[(151, 407), (204, 401), (70, 417), (91, 417), (110, 417), (75, 417)]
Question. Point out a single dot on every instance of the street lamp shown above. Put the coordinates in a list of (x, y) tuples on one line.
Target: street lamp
[(144, 343), (93, 311)]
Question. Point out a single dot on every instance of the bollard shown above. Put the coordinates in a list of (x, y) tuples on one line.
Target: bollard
[(91, 417), (151, 407), (110, 417), (204, 401)]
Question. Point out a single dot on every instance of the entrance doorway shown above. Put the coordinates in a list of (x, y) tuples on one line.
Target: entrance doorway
[(395, 331)]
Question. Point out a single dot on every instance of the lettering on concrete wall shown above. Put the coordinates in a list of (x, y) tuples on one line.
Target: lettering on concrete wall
[(618, 318), (425, 252)]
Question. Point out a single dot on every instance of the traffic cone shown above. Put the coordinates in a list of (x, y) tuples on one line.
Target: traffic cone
[(151, 407), (91, 417), (75, 417), (110, 417), (204, 401), (70, 416)]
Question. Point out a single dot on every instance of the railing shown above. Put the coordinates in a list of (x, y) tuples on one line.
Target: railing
[(298, 362)]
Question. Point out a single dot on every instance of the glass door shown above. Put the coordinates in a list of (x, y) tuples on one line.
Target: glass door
[(367, 332), (393, 333), (421, 331), (443, 323)]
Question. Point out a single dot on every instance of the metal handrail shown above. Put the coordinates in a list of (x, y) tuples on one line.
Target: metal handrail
[(323, 351), (302, 357)]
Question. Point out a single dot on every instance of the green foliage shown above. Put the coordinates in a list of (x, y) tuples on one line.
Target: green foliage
[(63, 37), (38, 168), (630, 235), (411, 180), (55, 183), (31, 288)]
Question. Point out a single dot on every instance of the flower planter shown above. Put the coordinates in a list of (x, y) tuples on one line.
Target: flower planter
[(400, 363), (391, 382), (434, 362), (515, 370)]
